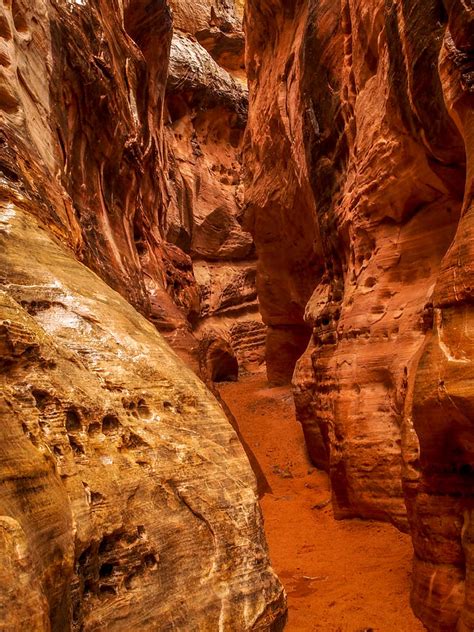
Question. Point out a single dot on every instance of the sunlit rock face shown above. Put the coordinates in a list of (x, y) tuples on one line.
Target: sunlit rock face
[(360, 124), (126, 501)]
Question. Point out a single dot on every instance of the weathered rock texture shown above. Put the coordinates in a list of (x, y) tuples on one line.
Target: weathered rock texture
[(116, 498), (206, 104), (126, 501), (361, 116)]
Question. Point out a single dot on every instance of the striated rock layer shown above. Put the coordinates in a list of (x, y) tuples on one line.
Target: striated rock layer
[(360, 125), (126, 500)]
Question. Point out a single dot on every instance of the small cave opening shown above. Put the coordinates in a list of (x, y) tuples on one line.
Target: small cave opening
[(225, 368), (150, 561), (110, 424), (106, 570), (106, 590), (41, 397), (218, 360)]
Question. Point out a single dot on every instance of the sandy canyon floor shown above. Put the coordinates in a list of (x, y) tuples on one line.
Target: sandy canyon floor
[(340, 576)]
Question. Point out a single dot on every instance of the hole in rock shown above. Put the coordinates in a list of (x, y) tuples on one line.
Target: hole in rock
[(96, 498), (73, 421), (106, 570), (110, 542), (150, 561), (105, 590), (106, 545), (134, 441), (110, 424), (40, 397), (226, 369), (466, 469), (19, 18)]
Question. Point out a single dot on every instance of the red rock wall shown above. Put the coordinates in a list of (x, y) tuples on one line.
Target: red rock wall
[(280, 208), (206, 116), (83, 99), (439, 486), (359, 125), (143, 153)]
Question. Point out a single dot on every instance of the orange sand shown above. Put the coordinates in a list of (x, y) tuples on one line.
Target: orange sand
[(340, 576)]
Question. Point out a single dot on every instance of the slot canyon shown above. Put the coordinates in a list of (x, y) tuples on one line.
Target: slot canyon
[(237, 315)]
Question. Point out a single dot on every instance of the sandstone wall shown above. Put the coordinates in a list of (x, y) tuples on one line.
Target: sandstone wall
[(127, 501), (119, 469), (359, 125), (280, 209), (439, 491), (83, 99), (206, 104), (139, 136)]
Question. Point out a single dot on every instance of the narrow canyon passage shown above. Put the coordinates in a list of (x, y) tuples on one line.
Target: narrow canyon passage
[(189, 190), (340, 576)]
